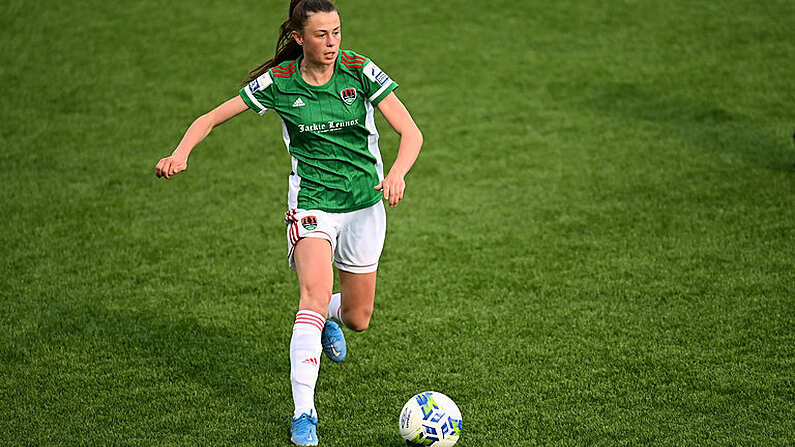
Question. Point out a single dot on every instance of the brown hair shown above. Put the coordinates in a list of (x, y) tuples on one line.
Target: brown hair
[(286, 47)]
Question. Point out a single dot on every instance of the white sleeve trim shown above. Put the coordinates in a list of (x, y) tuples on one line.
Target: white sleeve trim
[(260, 83), (381, 90), (262, 109), (377, 76)]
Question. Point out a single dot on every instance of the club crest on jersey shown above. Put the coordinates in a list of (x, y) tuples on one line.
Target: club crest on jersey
[(309, 222), (348, 95)]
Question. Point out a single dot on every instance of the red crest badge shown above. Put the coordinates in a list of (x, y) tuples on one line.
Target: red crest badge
[(348, 95), (309, 222)]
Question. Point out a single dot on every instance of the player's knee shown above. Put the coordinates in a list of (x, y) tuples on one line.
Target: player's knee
[(359, 319), (358, 325)]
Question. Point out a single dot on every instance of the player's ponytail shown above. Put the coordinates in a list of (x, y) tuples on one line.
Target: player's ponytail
[(286, 47)]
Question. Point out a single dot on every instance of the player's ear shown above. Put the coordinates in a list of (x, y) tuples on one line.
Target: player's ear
[(297, 37)]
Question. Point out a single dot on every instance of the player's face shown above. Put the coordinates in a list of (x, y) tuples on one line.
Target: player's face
[(321, 37)]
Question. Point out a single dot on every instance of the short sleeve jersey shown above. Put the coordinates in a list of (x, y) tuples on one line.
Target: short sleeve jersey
[(329, 130)]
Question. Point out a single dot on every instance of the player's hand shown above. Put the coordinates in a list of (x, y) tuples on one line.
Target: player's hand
[(392, 187), (169, 166)]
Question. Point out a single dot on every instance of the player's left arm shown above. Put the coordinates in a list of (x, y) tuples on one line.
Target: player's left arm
[(398, 117)]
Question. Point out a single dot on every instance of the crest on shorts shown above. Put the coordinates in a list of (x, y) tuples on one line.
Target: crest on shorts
[(348, 95), (309, 222)]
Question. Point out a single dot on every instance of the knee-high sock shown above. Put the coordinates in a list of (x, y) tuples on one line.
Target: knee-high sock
[(335, 309), (305, 352)]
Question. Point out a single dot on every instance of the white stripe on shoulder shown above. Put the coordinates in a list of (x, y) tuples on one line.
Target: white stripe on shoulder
[(370, 69), (375, 74), (264, 81), (260, 83)]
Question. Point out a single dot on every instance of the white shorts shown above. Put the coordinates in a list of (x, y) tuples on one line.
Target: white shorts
[(356, 238)]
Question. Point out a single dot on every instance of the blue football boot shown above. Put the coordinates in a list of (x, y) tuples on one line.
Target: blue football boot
[(333, 341), (303, 430)]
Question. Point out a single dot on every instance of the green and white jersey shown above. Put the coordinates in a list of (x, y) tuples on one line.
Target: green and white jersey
[(329, 131)]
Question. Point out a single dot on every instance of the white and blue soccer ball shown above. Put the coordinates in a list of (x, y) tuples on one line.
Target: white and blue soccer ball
[(430, 419)]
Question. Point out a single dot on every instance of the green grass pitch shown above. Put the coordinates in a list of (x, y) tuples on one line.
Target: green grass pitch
[(597, 244)]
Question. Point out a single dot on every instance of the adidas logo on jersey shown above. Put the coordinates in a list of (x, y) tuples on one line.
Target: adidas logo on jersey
[(298, 103)]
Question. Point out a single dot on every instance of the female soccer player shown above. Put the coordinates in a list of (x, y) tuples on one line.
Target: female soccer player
[(325, 98)]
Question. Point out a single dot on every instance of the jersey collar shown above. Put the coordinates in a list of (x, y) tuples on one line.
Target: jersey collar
[(300, 79)]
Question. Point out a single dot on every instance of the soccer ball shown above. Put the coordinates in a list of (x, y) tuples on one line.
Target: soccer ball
[(430, 419)]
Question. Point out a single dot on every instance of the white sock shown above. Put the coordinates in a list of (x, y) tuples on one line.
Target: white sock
[(335, 309), (305, 352)]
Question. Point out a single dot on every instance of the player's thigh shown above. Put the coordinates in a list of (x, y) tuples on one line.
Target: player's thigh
[(315, 273), (304, 224), (357, 298)]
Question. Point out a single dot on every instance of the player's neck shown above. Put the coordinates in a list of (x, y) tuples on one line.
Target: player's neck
[(316, 74)]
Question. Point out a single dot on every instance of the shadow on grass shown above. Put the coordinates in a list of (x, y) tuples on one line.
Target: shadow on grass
[(387, 440), (162, 376)]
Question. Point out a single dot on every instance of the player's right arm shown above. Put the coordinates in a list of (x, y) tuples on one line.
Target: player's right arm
[(178, 160)]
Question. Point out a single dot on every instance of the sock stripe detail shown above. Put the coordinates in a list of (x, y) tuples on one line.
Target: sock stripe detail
[(310, 323), (310, 318)]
